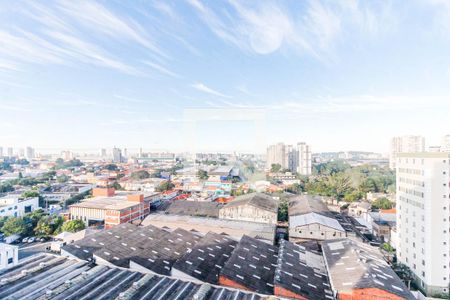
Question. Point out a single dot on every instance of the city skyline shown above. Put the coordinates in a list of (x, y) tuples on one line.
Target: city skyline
[(342, 76)]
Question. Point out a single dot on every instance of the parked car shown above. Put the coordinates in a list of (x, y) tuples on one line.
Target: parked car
[(31, 240), (25, 240), (43, 239)]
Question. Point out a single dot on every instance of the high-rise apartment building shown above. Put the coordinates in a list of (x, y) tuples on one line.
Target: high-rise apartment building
[(423, 218), (10, 152), (277, 154), (103, 153), (1, 151), (296, 158), (117, 155), (405, 144)]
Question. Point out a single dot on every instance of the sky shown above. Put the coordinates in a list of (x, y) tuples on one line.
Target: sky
[(223, 75)]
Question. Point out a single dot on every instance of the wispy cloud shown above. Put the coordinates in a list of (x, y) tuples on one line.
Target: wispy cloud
[(161, 69), (205, 89), (264, 28)]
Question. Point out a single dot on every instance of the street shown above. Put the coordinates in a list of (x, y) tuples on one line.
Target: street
[(26, 250)]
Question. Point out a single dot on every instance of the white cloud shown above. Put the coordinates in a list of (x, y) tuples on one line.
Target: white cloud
[(203, 88)]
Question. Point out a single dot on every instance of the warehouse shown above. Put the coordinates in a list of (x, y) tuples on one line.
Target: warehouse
[(206, 259), (301, 274), (310, 219), (235, 229), (255, 207), (160, 254), (251, 266), (45, 276), (367, 275)]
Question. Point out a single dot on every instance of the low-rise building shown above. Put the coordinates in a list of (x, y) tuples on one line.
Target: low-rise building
[(255, 207), (359, 209), (310, 219), (13, 205), (106, 208), (64, 191), (9, 256)]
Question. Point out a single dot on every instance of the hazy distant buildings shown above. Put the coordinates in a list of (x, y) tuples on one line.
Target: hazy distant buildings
[(405, 144), (296, 158), (423, 205), (1, 151), (10, 152), (29, 154), (103, 152)]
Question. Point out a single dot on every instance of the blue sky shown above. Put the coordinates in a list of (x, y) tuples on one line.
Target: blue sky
[(223, 75)]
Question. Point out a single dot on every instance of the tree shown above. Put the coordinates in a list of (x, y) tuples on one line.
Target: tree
[(15, 226), (141, 174), (73, 226), (283, 210), (165, 186), (6, 187), (116, 186), (202, 174), (275, 168), (30, 194), (63, 178), (382, 203), (44, 226)]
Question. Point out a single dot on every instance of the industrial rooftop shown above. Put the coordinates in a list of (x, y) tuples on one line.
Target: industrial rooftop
[(44, 276)]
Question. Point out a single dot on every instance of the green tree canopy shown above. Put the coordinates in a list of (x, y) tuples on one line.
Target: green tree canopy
[(275, 168), (15, 226), (30, 194), (382, 203), (73, 226), (165, 186), (202, 174), (141, 174)]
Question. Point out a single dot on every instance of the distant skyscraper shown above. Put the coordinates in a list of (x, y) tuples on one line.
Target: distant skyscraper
[(117, 155), (103, 153), (66, 155), (1, 151), (10, 152), (423, 214), (140, 152), (405, 144), (125, 152)]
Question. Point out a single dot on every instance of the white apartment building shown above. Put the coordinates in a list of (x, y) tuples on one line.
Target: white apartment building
[(423, 217), (296, 158), (13, 206), (405, 144)]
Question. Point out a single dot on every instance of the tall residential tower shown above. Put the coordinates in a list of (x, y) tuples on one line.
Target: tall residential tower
[(423, 218)]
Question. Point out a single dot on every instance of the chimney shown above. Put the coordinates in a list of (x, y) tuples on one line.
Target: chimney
[(103, 192)]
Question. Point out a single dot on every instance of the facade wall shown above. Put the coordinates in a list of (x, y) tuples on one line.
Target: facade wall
[(315, 232), (368, 294), (231, 283), (248, 213), (282, 292)]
